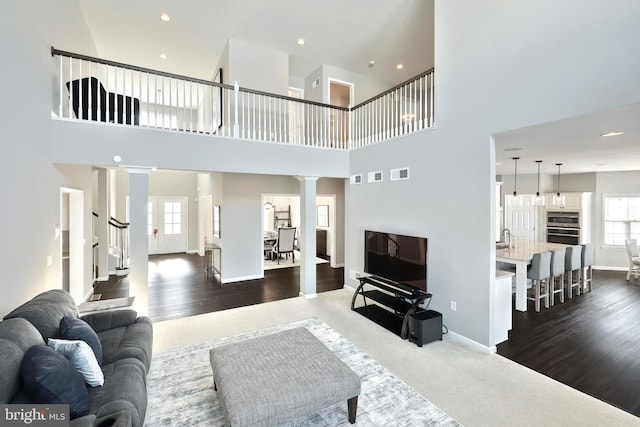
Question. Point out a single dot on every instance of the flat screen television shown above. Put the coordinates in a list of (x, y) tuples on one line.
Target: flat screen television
[(400, 259)]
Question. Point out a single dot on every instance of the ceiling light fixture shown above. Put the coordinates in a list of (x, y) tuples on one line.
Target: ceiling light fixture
[(515, 176), (612, 134), (165, 17), (558, 199), (163, 56), (372, 63), (540, 200), (399, 66), (300, 41), (514, 200)]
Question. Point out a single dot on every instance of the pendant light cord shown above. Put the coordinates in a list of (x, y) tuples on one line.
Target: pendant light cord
[(515, 177), (558, 188)]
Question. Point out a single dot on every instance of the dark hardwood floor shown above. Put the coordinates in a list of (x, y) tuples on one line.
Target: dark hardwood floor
[(179, 287), (590, 343)]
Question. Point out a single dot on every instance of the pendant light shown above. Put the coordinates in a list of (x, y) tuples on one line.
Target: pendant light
[(540, 199), (558, 200), (515, 200), (515, 176)]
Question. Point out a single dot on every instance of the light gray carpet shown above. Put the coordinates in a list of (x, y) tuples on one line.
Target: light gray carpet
[(180, 386)]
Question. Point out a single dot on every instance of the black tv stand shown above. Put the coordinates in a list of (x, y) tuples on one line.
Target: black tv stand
[(401, 301)]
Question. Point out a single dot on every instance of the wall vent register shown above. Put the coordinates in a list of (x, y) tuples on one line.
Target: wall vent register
[(356, 179), (399, 174), (375, 176)]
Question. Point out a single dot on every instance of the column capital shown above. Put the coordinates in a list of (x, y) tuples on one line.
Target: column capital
[(146, 170), (306, 178)]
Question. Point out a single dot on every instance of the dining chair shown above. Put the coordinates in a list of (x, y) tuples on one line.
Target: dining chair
[(557, 275), (539, 272), (587, 266), (634, 258), (573, 264), (285, 243)]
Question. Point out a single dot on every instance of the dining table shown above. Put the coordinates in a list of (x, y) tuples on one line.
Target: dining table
[(520, 255)]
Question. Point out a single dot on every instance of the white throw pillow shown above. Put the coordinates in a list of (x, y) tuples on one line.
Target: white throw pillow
[(82, 358)]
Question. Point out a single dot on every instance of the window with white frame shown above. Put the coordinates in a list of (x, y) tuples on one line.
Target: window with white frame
[(621, 219)]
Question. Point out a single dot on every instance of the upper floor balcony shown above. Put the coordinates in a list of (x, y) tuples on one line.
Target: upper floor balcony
[(115, 94)]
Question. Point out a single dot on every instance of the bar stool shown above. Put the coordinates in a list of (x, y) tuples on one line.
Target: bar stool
[(587, 263), (539, 272), (573, 263), (557, 272)]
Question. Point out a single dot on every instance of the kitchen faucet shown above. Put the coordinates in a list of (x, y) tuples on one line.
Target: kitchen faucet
[(505, 236)]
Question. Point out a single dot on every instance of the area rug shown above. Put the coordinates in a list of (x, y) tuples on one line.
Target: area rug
[(287, 263), (180, 386)]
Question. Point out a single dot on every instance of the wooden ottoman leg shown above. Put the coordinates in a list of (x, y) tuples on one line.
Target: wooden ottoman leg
[(352, 406)]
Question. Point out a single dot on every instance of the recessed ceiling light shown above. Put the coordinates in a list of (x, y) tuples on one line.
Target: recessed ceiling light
[(612, 134), (117, 158), (513, 149), (399, 66), (300, 42), (165, 17), (163, 56), (372, 63)]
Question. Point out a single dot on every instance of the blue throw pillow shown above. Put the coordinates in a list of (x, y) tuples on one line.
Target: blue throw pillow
[(72, 328), (82, 358), (49, 378)]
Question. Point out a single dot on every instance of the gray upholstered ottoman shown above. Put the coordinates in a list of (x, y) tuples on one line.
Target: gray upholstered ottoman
[(275, 378)]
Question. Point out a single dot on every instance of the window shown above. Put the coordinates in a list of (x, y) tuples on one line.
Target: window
[(621, 219), (323, 216), (172, 218)]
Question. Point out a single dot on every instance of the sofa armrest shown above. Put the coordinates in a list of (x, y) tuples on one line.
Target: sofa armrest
[(104, 320)]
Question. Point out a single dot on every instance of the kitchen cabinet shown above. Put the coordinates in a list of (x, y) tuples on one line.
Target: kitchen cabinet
[(570, 201)]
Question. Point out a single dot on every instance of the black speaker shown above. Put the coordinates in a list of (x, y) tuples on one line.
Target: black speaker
[(425, 327)]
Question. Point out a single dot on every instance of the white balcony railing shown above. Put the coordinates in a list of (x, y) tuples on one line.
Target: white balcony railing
[(106, 91)]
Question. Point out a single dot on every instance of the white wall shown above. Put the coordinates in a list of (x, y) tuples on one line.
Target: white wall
[(495, 70), (242, 219), (29, 182), (257, 68)]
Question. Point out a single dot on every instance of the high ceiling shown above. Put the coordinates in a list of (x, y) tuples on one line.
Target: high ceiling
[(574, 142), (348, 35), (345, 34)]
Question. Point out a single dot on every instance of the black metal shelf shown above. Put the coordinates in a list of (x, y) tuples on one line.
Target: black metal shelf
[(393, 302)]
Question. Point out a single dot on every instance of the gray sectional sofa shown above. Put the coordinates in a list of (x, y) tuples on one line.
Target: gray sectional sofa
[(126, 344)]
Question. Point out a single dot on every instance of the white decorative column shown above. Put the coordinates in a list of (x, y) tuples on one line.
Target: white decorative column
[(139, 246), (307, 238), (102, 225)]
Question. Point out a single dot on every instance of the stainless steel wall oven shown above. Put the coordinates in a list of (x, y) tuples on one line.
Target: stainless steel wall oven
[(563, 227)]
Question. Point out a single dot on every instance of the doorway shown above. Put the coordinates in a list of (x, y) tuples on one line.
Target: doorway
[(71, 232), (167, 225), (340, 95), (520, 218)]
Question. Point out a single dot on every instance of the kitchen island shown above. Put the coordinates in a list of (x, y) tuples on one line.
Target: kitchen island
[(521, 256)]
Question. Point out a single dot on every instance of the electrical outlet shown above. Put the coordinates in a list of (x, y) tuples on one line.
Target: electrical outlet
[(353, 274), (453, 306), (49, 260)]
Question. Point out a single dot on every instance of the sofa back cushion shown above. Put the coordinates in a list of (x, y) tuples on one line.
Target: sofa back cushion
[(46, 310), (16, 337), (73, 328)]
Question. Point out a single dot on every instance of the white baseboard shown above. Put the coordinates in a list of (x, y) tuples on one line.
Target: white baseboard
[(309, 296), (472, 343), (242, 279), (604, 267), (103, 279)]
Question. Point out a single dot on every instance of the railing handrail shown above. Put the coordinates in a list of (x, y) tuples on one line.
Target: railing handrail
[(233, 111), (396, 87), (55, 51)]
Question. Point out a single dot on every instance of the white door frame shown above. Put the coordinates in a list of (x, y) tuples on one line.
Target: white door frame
[(205, 221), (76, 241)]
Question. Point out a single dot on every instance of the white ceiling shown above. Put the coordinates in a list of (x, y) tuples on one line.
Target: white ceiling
[(345, 34), (574, 142)]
